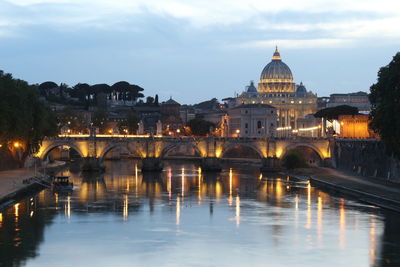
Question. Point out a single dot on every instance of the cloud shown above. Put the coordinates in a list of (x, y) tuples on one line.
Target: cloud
[(310, 23), (295, 43)]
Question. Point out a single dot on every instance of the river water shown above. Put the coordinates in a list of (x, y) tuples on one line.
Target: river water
[(184, 217)]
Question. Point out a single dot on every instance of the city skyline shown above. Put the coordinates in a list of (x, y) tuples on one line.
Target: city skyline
[(194, 52)]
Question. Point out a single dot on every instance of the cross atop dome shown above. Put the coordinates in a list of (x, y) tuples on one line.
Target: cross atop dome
[(276, 55)]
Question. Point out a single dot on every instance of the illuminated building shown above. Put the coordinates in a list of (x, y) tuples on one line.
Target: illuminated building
[(250, 120), (354, 126), (278, 89)]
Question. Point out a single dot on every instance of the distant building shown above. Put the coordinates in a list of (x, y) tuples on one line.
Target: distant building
[(149, 115), (250, 120), (278, 89), (170, 115), (359, 100)]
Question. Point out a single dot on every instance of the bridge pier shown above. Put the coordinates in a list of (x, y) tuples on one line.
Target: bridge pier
[(211, 164), (92, 164), (152, 164), (270, 164)]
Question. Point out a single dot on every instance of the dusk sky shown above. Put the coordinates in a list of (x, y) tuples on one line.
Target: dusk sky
[(196, 50)]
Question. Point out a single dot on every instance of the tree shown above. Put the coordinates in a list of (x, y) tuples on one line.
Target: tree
[(149, 100), (156, 100), (200, 127), (44, 88), (385, 101), (294, 159), (24, 119), (333, 113)]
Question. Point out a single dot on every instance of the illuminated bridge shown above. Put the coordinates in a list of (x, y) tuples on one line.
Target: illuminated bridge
[(210, 149)]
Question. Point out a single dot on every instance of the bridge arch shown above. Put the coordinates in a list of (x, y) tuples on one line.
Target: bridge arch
[(53, 146), (296, 146), (313, 155), (112, 146), (231, 146), (168, 148)]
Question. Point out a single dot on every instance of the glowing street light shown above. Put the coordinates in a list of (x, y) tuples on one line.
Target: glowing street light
[(16, 144)]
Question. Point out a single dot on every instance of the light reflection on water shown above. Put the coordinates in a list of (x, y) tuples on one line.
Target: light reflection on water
[(185, 217)]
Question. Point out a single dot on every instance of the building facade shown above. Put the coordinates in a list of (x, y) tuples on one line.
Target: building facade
[(359, 100), (278, 89), (250, 120)]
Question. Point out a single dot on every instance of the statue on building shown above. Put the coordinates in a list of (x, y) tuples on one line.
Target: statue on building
[(140, 130)]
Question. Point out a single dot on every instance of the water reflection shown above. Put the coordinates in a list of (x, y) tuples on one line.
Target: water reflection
[(184, 210)]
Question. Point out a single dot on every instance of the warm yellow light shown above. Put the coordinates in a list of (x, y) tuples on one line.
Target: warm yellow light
[(237, 131), (1, 145), (300, 102), (279, 152), (292, 102), (16, 207), (218, 152), (178, 130), (16, 144)]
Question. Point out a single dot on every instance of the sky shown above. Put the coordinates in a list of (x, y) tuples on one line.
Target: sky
[(197, 50)]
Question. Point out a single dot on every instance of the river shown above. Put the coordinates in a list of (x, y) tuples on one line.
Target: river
[(183, 217)]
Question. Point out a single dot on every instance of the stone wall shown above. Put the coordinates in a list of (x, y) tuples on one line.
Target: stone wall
[(365, 158)]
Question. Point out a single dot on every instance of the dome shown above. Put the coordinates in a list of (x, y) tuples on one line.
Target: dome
[(251, 88), (276, 76), (301, 90), (277, 70)]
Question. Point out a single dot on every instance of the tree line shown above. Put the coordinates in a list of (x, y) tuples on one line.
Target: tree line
[(87, 95), (24, 119)]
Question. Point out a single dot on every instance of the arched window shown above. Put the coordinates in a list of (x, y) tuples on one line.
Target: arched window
[(259, 124)]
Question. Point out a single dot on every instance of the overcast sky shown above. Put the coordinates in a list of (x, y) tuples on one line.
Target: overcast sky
[(196, 50)]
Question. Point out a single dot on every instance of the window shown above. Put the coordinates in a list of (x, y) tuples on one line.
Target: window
[(272, 112), (246, 125), (259, 124)]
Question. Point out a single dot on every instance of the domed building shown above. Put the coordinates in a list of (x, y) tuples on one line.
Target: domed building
[(278, 89), (276, 76)]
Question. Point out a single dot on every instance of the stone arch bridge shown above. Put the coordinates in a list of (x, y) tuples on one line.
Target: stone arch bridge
[(153, 149)]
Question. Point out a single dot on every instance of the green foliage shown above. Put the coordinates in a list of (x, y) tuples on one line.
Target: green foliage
[(210, 104), (385, 101), (150, 100), (294, 159), (200, 127), (23, 117), (333, 113)]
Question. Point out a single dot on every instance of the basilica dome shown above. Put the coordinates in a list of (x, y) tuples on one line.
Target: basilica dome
[(276, 76)]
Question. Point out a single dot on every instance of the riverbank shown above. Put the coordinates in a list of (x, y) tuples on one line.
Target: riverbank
[(15, 184), (377, 192)]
